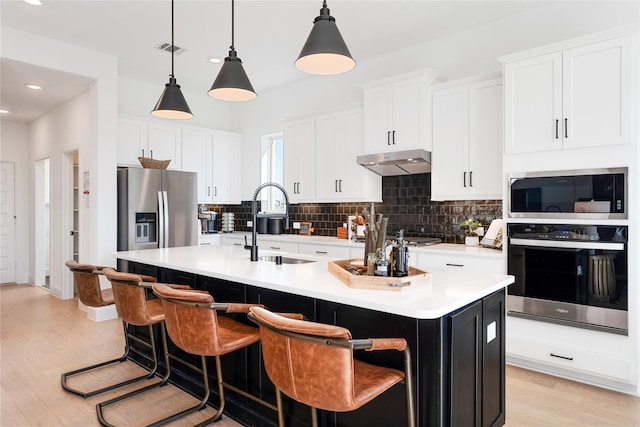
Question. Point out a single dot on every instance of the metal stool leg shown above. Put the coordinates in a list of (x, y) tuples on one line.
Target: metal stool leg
[(123, 358)]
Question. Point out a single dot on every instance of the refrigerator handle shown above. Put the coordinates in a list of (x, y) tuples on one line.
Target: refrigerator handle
[(166, 218), (160, 220)]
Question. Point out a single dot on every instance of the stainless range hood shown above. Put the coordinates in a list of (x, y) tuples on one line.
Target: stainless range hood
[(398, 162)]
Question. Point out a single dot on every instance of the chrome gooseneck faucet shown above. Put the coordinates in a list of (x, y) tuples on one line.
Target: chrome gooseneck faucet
[(254, 209)]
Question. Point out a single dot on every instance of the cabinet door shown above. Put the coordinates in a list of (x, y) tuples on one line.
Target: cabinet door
[(493, 359), (327, 157), (485, 139), (465, 376), (449, 176), (197, 157), (533, 104), (597, 94), (352, 178), (377, 119), (165, 142), (299, 164), (227, 169), (133, 136), (408, 115)]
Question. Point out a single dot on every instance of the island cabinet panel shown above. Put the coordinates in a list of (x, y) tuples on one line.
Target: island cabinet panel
[(457, 360)]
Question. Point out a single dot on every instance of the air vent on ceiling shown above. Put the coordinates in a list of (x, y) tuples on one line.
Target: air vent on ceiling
[(168, 47)]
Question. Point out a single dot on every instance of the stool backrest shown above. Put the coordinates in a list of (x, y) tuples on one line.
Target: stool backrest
[(130, 297), (316, 372), (191, 323), (87, 284)]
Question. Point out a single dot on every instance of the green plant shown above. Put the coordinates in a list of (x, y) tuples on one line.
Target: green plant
[(470, 226)]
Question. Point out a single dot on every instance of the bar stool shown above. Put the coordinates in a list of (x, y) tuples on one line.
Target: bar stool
[(130, 295), (313, 363), (86, 280), (195, 327)]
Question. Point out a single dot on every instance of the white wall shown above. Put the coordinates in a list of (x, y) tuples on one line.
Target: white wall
[(91, 120), (14, 147)]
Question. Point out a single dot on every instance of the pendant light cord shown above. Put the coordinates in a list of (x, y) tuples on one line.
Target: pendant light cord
[(232, 25), (172, 45)]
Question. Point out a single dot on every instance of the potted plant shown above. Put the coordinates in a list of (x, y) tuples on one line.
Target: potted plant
[(471, 237)]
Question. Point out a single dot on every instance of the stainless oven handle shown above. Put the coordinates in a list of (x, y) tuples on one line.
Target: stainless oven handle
[(570, 245)]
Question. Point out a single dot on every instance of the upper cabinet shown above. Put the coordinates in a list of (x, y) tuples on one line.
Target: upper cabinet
[(339, 177), (142, 138), (572, 95), (467, 139), (396, 113), (215, 156), (299, 162)]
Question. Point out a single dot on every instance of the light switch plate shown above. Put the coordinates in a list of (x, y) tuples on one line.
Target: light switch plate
[(250, 224), (296, 226)]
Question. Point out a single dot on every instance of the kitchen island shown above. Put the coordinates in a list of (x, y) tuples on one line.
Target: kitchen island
[(454, 324)]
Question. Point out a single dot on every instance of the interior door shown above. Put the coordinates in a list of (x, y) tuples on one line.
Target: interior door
[(7, 223)]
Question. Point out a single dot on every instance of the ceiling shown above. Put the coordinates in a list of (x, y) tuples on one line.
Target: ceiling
[(268, 38)]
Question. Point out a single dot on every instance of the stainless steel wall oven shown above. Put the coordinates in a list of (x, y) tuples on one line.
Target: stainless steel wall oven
[(569, 274)]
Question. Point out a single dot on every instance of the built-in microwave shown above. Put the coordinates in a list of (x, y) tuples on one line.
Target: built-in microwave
[(581, 194)]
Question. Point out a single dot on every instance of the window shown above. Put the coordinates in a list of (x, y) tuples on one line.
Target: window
[(272, 170)]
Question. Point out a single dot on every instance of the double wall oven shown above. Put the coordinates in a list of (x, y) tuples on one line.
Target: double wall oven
[(577, 273)]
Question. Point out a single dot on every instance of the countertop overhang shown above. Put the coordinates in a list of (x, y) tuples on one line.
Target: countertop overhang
[(447, 291)]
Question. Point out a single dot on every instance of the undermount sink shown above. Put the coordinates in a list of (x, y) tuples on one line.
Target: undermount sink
[(285, 260)]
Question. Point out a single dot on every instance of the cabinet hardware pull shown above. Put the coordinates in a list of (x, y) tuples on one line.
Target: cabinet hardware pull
[(143, 152), (298, 188), (151, 151), (322, 252), (388, 137), (566, 128), (215, 191), (557, 122), (335, 186), (455, 265), (275, 248), (340, 185), (464, 179), (202, 244), (560, 357), (208, 190), (237, 244), (470, 178), (394, 137)]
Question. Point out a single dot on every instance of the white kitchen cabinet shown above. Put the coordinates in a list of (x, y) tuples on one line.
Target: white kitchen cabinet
[(197, 157), (215, 156), (338, 252), (227, 168), (143, 138), (467, 139), (394, 116), (453, 261), (299, 161), (570, 98), (338, 142)]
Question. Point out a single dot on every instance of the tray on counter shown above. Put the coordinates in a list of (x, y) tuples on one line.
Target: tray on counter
[(339, 269)]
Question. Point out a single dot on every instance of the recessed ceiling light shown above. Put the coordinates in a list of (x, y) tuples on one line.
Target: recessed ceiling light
[(215, 60), (34, 87), (4, 111), (34, 2)]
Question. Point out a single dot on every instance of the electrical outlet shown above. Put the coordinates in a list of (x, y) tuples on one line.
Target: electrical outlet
[(249, 224), (296, 226)]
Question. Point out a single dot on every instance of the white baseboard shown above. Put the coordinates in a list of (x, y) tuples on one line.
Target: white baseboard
[(99, 314)]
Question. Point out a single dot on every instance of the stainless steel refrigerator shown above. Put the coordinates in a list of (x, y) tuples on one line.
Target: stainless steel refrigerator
[(156, 209)]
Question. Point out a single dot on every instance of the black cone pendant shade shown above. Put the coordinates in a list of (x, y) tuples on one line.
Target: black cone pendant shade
[(172, 104), (232, 83), (325, 52)]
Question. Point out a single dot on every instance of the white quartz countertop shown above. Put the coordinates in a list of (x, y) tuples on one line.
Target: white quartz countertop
[(445, 292)]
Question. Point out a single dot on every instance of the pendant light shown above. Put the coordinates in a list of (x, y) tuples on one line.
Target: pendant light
[(232, 83), (172, 104), (325, 52)]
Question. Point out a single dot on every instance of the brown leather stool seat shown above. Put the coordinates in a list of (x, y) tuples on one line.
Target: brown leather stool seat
[(194, 326), (87, 283), (130, 295), (313, 363)]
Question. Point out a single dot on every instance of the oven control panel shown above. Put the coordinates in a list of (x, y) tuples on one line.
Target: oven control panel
[(572, 232)]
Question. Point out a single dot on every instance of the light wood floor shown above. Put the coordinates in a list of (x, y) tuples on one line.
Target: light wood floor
[(41, 337)]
